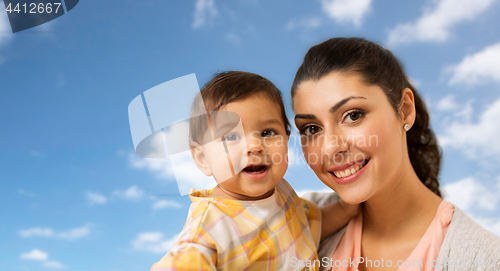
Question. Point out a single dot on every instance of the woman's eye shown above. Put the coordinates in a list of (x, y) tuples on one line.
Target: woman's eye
[(268, 133), (231, 137), (353, 116), (310, 130)]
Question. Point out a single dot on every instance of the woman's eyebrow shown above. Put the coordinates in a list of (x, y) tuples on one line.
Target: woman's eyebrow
[(332, 110), (305, 116), (342, 102)]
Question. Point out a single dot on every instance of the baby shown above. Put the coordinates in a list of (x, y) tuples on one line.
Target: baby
[(253, 219)]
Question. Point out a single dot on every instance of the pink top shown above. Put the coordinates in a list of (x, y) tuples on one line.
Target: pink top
[(427, 250)]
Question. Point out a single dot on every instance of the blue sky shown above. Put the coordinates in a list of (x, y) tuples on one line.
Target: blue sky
[(75, 196)]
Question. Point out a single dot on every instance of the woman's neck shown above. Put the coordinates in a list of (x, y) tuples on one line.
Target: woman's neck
[(408, 205)]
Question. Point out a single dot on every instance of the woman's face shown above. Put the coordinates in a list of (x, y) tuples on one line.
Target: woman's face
[(350, 134)]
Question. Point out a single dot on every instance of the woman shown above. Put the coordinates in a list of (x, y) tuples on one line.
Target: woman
[(365, 133)]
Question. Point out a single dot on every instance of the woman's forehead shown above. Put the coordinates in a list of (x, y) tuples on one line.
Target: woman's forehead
[(333, 89)]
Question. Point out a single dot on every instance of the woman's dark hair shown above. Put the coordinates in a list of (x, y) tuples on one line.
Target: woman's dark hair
[(378, 66)]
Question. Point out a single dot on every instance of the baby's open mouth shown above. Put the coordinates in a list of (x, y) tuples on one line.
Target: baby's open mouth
[(255, 168)]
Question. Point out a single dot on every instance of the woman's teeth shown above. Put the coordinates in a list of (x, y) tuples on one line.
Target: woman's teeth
[(348, 172)]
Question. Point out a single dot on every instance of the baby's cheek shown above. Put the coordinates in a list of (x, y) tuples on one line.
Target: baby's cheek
[(237, 156), (279, 154), (281, 157)]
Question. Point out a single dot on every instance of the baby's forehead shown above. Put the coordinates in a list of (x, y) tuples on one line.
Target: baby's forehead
[(256, 103), (221, 122)]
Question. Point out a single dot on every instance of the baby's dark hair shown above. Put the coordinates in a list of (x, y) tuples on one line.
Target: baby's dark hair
[(231, 86)]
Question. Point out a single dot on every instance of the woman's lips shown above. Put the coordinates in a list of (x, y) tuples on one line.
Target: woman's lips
[(350, 178)]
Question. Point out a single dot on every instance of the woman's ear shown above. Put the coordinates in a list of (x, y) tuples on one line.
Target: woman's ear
[(199, 158), (407, 110)]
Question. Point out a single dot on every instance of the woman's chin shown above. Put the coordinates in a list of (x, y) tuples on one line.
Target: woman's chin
[(352, 200), (353, 196)]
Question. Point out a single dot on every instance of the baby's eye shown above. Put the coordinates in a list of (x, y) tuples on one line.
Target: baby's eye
[(268, 133), (231, 137), (354, 116), (310, 130)]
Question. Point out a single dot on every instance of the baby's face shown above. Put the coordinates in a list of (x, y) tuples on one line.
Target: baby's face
[(257, 149)]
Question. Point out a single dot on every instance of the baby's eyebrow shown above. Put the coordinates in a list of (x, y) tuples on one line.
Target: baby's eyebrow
[(272, 121)]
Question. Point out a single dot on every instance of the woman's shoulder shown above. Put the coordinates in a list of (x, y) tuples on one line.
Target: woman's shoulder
[(467, 242), (470, 231)]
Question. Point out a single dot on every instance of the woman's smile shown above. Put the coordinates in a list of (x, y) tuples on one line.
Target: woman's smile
[(349, 172), (342, 118)]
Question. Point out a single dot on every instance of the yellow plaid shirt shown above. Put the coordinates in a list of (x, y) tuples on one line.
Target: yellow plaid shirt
[(281, 232)]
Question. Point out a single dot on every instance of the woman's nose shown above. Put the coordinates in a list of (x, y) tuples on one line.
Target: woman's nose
[(334, 145)]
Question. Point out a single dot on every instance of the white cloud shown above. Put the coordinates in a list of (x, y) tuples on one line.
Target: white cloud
[(166, 203), (414, 82), (204, 13), (347, 11), (43, 256), (75, 233), (61, 80), (5, 30), (447, 103), (233, 38), (26, 193), (43, 232), (133, 193), (304, 23), (466, 111), (478, 68), (53, 264), (96, 198), (71, 234), (436, 22), (35, 153), (152, 242), (469, 193), (186, 173), (35, 254), (160, 167), (476, 140)]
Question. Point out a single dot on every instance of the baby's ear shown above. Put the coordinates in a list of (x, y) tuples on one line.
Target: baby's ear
[(199, 158)]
